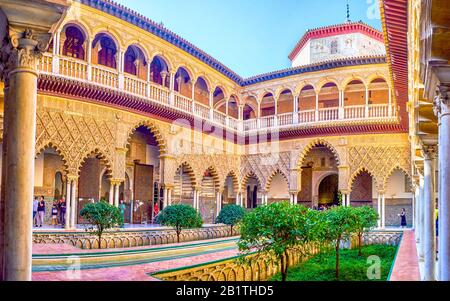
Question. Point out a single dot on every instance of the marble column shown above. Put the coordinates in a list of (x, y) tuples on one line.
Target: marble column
[(421, 220), (165, 198), (379, 209), (2, 197), (417, 203), (218, 203), (74, 203), (383, 210), (21, 78), (429, 212), (111, 193), (169, 196), (116, 194), (68, 203), (442, 109)]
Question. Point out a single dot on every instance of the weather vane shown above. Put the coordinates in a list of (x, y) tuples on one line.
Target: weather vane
[(348, 11)]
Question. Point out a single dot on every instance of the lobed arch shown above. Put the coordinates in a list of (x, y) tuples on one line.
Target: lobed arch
[(154, 129), (358, 172), (391, 171), (190, 172), (101, 156), (61, 154), (215, 175), (314, 143), (234, 178), (249, 175), (270, 178)]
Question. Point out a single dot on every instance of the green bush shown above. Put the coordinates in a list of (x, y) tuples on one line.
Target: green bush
[(102, 216), (180, 216), (231, 215), (271, 231), (366, 219)]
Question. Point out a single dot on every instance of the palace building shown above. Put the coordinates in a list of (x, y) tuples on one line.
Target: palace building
[(129, 111)]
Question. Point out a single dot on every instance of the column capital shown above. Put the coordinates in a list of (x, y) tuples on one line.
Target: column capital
[(22, 52), (71, 177), (441, 103), (429, 151)]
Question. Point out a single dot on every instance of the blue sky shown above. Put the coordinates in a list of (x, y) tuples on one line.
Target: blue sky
[(251, 36)]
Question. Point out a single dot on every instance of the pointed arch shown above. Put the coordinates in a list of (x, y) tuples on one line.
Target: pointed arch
[(249, 175)]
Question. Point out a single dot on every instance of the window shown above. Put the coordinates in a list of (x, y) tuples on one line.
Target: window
[(334, 47), (73, 45), (107, 53)]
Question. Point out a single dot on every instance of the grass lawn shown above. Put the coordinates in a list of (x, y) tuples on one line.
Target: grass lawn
[(352, 267)]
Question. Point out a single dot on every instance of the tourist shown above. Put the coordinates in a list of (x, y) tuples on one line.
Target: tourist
[(35, 209), (155, 212), (40, 212), (60, 216), (62, 212), (54, 215), (122, 208), (402, 216)]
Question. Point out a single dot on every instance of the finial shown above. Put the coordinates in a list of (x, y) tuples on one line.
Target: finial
[(348, 11)]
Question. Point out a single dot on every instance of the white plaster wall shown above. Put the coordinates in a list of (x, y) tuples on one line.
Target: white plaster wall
[(349, 45), (395, 188), (152, 155), (279, 188)]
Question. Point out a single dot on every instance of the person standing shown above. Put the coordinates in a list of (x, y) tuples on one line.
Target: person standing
[(35, 209), (62, 212), (122, 208), (155, 212), (54, 215), (40, 212), (402, 216)]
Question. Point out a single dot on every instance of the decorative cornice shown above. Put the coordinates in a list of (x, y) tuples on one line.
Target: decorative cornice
[(332, 30)]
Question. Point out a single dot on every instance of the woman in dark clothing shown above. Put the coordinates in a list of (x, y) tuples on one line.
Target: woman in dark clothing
[(403, 218)]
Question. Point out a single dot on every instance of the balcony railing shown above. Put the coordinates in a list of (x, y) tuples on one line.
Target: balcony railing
[(111, 78)]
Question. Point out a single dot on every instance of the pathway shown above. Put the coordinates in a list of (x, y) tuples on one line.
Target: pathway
[(406, 267)]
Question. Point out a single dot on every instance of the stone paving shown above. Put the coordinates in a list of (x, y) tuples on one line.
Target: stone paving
[(137, 272), (406, 267)]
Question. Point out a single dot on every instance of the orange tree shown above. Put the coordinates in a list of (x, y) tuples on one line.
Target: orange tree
[(269, 232), (180, 216)]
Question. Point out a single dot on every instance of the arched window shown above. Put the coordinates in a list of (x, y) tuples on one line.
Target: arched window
[(130, 61), (107, 50), (73, 45)]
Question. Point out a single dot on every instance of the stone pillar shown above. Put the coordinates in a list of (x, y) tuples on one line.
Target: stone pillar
[(429, 212), (68, 203), (383, 210), (116, 193), (218, 203), (238, 198), (317, 108), (366, 109), (421, 220), (379, 209), (74, 203), (111, 192), (169, 196), (417, 211), (19, 73), (442, 109)]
